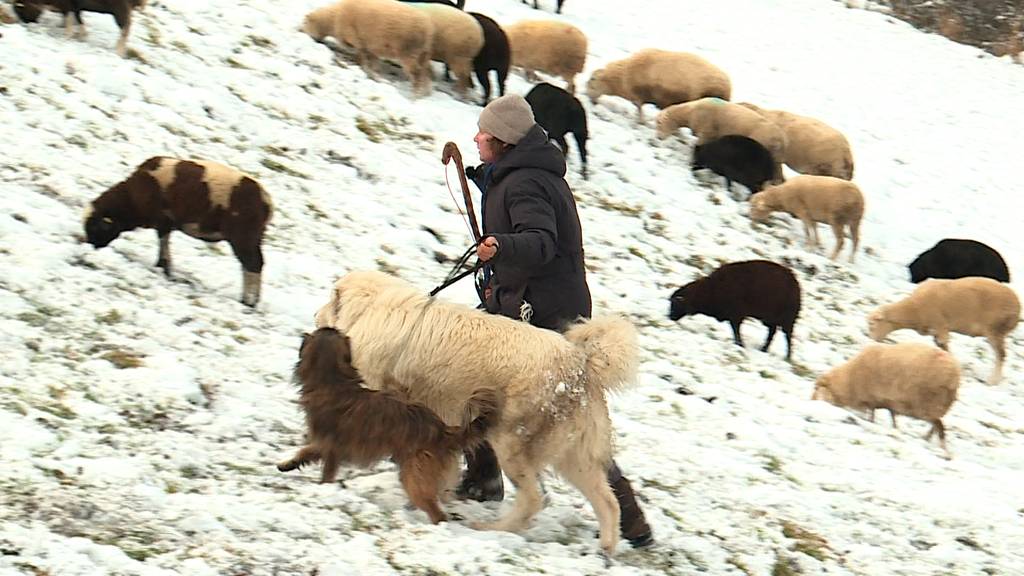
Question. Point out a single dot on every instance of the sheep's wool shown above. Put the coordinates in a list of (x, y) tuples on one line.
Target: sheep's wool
[(507, 118)]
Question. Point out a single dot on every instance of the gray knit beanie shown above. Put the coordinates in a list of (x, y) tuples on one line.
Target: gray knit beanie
[(507, 118)]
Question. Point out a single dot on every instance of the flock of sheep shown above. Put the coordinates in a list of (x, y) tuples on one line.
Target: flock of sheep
[(962, 282)]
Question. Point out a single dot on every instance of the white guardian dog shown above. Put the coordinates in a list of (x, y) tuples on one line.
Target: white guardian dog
[(554, 413)]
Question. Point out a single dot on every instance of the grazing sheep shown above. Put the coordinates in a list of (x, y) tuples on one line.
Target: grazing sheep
[(711, 118), (738, 290), (957, 258), (457, 39), (738, 158), (548, 46), (559, 112), (379, 29), (916, 380), (812, 199), (974, 306), (203, 199), (659, 77), (495, 55), (121, 10), (558, 9), (812, 146)]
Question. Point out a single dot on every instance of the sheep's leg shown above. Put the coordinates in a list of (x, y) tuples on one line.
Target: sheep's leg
[(485, 84), (837, 229), (251, 257), (163, 260), (735, 325), (305, 455), (893, 416), (124, 21), (789, 342), (639, 112), (998, 344), (810, 232), (768, 341), (940, 428), (855, 236), (570, 84)]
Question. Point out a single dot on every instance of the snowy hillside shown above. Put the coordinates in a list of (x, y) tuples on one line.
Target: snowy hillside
[(141, 416)]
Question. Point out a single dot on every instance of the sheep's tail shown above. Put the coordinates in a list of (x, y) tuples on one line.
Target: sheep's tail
[(610, 345), (485, 403)]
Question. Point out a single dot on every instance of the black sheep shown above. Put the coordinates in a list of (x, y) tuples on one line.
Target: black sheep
[(738, 158), (559, 112), (495, 55), (558, 9), (121, 10), (738, 290), (956, 258)]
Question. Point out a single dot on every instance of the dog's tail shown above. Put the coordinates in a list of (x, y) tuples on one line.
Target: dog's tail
[(486, 405), (610, 344)]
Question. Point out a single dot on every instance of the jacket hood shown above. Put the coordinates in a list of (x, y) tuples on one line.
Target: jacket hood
[(535, 150)]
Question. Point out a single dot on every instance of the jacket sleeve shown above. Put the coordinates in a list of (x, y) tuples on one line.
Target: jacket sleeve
[(534, 236)]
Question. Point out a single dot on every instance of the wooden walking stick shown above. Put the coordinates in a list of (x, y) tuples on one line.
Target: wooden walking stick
[(451, 151)]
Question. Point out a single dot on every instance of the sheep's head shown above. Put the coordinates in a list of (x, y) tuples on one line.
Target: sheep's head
[(878, 326), (760, 206), (681, 302), (100, 229), (597, 86), (664, 126), (918, 268), (27, 10), (822, 390)]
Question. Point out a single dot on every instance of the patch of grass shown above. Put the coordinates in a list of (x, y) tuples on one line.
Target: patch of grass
[(260, 41), (802, 371), (806, 542), (123, 358), (615, 206), (316, 211), (59, 410), (276, 166), (231, 61), (379, 130), (190, 471), (772, 463), (739, 565), (386, 267), (111, 317), (783, 566)]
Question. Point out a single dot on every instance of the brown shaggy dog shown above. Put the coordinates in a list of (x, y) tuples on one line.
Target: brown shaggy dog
[(349, 423)]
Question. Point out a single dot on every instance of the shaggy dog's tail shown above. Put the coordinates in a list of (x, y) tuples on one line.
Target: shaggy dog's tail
[(609, 343), (486, 404)]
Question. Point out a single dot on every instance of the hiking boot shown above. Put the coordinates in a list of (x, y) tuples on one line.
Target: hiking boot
[(482, 480), (632, 524)]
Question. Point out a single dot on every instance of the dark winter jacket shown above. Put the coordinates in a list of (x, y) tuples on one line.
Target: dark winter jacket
[(528, 208)]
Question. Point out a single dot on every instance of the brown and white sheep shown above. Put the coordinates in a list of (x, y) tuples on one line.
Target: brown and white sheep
[(203, 199), (836, 202), (548, 46), (379, 29), (456, 41), (659, 77), (813, 147), (712, 118), (911, 379), (121, 10), (974, 306)]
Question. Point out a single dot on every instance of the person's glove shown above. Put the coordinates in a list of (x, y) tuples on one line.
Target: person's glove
[(471, 172)]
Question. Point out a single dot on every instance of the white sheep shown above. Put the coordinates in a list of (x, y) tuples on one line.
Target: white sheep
[(974, 306), (379, 29), (813, 147), (912, 379), (548, 46), (457, 39), (812, 199), (659, 77), (711, 118)]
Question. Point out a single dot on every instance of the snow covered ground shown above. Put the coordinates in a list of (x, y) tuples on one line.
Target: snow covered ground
[(141, 417)]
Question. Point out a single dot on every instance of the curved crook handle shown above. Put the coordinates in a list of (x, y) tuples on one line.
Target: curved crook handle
[(451, 151)]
